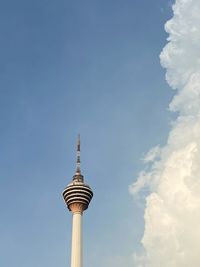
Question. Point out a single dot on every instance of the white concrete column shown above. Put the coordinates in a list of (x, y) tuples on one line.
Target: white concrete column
[(76, 249)]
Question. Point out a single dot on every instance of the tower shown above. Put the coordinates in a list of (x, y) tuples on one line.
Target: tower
[(77, 196)]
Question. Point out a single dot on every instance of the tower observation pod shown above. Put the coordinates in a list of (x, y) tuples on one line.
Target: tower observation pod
[(77, 196)]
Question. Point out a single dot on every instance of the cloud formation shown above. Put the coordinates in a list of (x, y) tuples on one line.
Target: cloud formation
[(172, 215)]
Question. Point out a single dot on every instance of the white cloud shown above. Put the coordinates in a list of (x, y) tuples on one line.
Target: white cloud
[(172, 215), (152, 154)]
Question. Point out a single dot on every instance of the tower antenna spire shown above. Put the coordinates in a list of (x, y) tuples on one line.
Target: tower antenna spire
[(78, 154)]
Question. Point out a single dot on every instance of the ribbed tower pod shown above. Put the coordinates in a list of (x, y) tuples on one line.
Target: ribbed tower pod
[(77, 196)]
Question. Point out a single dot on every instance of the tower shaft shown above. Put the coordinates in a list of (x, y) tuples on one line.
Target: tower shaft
[(76, 249)]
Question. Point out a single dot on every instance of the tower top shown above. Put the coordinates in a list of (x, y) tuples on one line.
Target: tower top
[(78, 176), (78, 154), (77, 194)]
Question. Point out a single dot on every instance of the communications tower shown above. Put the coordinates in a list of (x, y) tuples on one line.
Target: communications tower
[(77, 196)]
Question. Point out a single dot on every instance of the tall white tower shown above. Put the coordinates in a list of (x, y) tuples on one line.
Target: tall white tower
[(77, 196)]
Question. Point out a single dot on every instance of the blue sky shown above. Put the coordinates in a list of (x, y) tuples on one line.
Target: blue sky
[(69, 67)]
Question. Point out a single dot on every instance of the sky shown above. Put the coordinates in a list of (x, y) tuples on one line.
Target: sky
[(70, 67)]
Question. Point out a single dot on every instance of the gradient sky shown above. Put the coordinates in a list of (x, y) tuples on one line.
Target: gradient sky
[(67, 67)]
